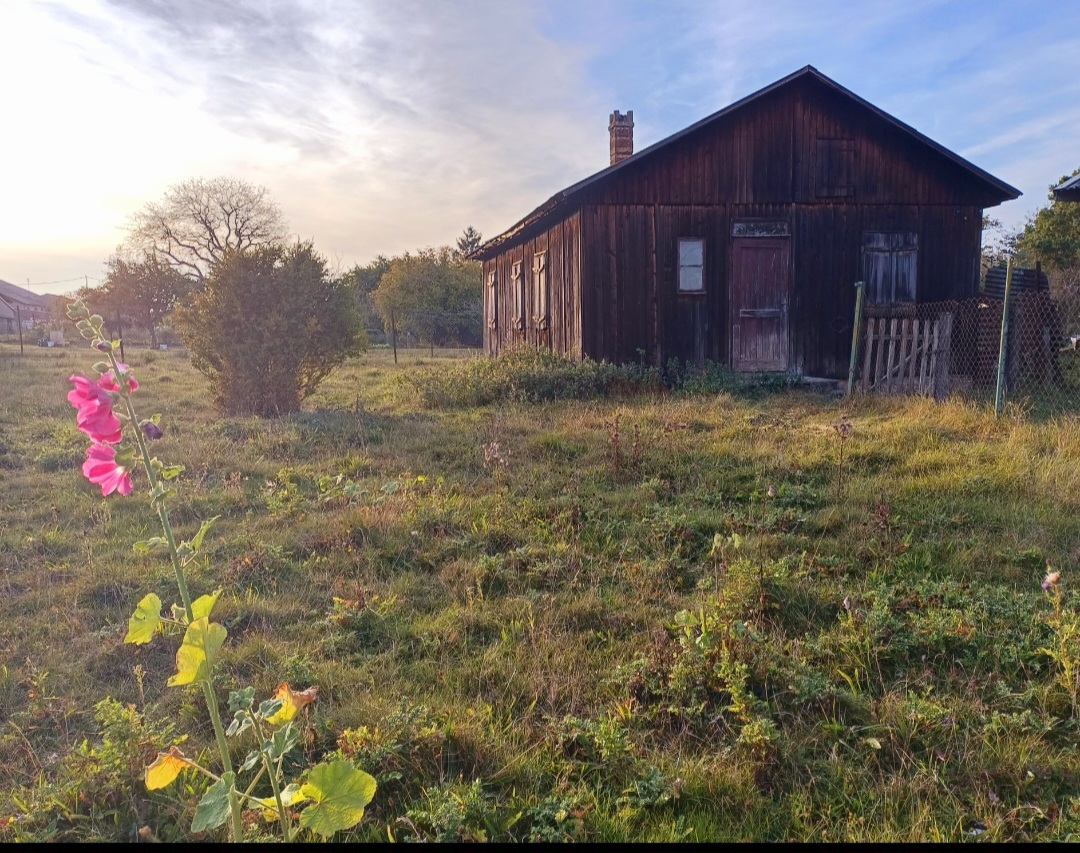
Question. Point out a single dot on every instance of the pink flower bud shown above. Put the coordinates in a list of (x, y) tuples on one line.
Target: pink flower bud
[(151, 430)]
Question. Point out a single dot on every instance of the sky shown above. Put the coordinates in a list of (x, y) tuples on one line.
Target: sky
[(382, 126)]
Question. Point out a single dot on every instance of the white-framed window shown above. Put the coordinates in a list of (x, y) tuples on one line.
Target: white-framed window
[(492, 294), (691, 265), (540, 291), (517, 285)]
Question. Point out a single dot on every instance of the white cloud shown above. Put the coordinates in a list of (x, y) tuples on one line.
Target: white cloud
[(381, 127)]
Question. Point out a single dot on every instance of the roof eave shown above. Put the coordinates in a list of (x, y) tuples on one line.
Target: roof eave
[(1068, 190), (491, 247)]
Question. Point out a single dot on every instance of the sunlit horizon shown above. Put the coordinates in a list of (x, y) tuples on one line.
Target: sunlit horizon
[(382, 128)]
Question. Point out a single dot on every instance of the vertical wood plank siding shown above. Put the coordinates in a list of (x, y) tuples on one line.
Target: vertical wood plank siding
[(562, 242), (613, 257)]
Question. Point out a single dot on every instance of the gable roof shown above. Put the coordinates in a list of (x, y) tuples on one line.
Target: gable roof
[(1068, 190), (14, 293), (566, 197)]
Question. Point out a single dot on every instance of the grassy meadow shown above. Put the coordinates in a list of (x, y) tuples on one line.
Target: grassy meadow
[(703, 615)]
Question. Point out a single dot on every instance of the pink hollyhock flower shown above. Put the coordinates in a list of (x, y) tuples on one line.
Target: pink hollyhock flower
[(87, 393), (109, 383), (100, 468), (95, 415)]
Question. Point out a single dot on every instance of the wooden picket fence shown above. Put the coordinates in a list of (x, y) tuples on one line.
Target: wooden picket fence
[(906, 355)]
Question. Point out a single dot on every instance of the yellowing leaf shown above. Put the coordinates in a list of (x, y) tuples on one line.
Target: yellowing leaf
[(166, 767), (291, 702), (202, 605), (196, 654), (339, 792), (144, 621), (290, 795)]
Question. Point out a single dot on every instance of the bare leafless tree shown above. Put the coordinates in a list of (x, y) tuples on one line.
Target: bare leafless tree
[(199, 220)]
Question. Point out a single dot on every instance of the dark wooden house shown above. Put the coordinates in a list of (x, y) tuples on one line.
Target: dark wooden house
[(739, 239), (1068, 190)]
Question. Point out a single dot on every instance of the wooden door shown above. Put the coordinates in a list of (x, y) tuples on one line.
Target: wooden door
[(760, 284)]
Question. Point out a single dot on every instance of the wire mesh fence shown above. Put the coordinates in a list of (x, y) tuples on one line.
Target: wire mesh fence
[(1019, 348)]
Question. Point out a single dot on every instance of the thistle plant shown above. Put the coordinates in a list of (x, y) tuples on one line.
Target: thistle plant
[(1065, 650), (843, 429), (336, 793)]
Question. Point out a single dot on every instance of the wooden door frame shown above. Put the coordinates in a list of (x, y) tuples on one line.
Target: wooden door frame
[(784, 232)]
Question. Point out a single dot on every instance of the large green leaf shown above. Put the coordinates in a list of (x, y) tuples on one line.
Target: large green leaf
[(339, 793), (195, 657), (202, 605), (213, 809), (144, 621)]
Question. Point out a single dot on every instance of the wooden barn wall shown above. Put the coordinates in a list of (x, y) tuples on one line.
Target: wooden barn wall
[(766, 152), (890, 167), (613, 264), (827, 261), (743, 160), (632, 309), (562, 242)]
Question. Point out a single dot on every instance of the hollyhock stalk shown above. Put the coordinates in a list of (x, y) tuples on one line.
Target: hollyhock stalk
[(125, 388)]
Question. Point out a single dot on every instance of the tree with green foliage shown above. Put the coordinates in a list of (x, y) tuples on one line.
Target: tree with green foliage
[(1052, 235), (269, 326), (364, 279), (469, 241), (434, 294), (996, 245), (140, 293)]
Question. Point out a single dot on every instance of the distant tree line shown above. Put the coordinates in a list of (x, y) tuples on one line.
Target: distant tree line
[(432, 296), (1050, 237), (264, 318)]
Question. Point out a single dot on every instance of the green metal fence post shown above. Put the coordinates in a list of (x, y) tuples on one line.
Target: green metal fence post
[(999, 396), (855, 337)]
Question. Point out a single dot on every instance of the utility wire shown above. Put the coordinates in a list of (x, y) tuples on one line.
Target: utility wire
[(59, 281)]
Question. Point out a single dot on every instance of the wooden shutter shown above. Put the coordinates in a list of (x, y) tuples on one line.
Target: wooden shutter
[(890, 264), (517, 284), (492, 296), (834, 168), (540, 291)]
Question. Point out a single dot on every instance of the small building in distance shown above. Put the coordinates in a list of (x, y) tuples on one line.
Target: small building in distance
[(739, 239), (16, 301), (1068, 190)]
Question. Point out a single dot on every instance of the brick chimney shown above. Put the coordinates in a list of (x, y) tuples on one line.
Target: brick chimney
[(621, 130)]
